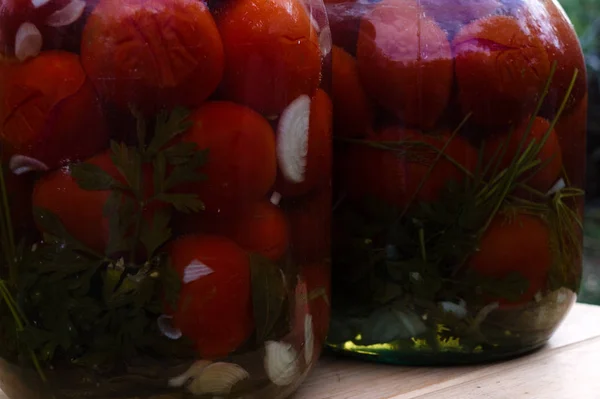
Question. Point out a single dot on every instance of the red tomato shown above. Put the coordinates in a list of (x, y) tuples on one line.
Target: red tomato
[(318, 282), (215, 305), (405, 62), (318, 157), (153, 53), (542, 178), (397, 177), (49, 111), (519, 245), (272, 53), (81, 211), (453, 14), (310, 225), (500, 70), (352, 109), (344, 21), (262, 228), (241, 165)]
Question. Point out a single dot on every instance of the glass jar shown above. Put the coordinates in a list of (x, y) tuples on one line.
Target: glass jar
[(165, 197), (459, 160)]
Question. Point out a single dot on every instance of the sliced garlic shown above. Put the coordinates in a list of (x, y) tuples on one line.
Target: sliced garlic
[(67, 15), (195, 270), (39, 3), (457, 309), (28, 41), (192, 373), (559, 185), (309, 339), (166, 327), (292, 139), (275, 198), (20, 164), (325, 41), (281, 363), (218, 379)]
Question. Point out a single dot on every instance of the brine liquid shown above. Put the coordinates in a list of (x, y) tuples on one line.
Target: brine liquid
[(165, 197), (459, 166)]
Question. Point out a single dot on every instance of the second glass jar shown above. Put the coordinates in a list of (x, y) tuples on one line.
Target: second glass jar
[(460, 146)]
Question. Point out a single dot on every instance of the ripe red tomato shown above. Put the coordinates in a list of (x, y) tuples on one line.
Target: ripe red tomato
[(215, 305), (261, 228), (541, 178), (520, 244), (241, 165), (49, 110), (344, 21), (272, 53), (153, 53), (318, 157), (352, 109), (318, 282), (571, 130), (405, 62), (500, 70), (397, 177), (310, 225)]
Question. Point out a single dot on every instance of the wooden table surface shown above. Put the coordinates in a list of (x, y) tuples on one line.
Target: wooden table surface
[(567, 368)]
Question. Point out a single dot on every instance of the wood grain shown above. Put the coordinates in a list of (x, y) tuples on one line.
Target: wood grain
[(567, 368)]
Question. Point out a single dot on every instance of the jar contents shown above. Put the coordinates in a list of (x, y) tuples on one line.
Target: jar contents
[(165, 192), (459, 166)]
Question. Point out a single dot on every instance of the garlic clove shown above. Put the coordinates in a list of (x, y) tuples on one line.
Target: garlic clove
[(39, 3), (218, 379), (67, 15), (20, 164), (281, 363), (292, 139), (193, 372), (195, 271), (165, 325), (28, 41)]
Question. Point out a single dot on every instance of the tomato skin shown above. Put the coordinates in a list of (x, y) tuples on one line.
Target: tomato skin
[(541, 179), (79, 210), (519, 245), (413, 80), (272, 53), (179, 61), (352, 109), (317, 277), (319, 154), (489, 45), (262, 228), (310, 225), (49, 110), (396, 180), (344, 22), (215, 311), (241, 165)]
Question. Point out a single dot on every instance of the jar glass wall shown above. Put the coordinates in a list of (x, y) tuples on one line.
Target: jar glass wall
[(165, 197), (459, 168)]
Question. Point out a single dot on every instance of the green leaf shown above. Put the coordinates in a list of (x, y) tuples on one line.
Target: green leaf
[(169, 126), (160, 172), (141, 128), (129, 163), (268, 295), (187, 172), (170, 283), (158, 232), (120, 211), (180, 153), (92, 177), (186, 203)]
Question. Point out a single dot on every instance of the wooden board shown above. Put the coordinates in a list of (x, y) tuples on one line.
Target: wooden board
[(567, 368)]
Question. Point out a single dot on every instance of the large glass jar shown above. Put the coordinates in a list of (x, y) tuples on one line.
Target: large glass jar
[(459, 166), (165, 197)]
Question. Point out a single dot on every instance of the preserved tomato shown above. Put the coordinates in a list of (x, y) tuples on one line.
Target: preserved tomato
[(459, 153), (165, 192)]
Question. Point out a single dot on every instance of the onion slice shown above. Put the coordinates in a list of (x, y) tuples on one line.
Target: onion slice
[(20, 164), (195, 271), (28, 41), (325, 41), (165, 325), (292, 139), (67, 15)]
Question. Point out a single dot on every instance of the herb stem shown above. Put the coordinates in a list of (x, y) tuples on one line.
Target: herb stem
[(7, 229)]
